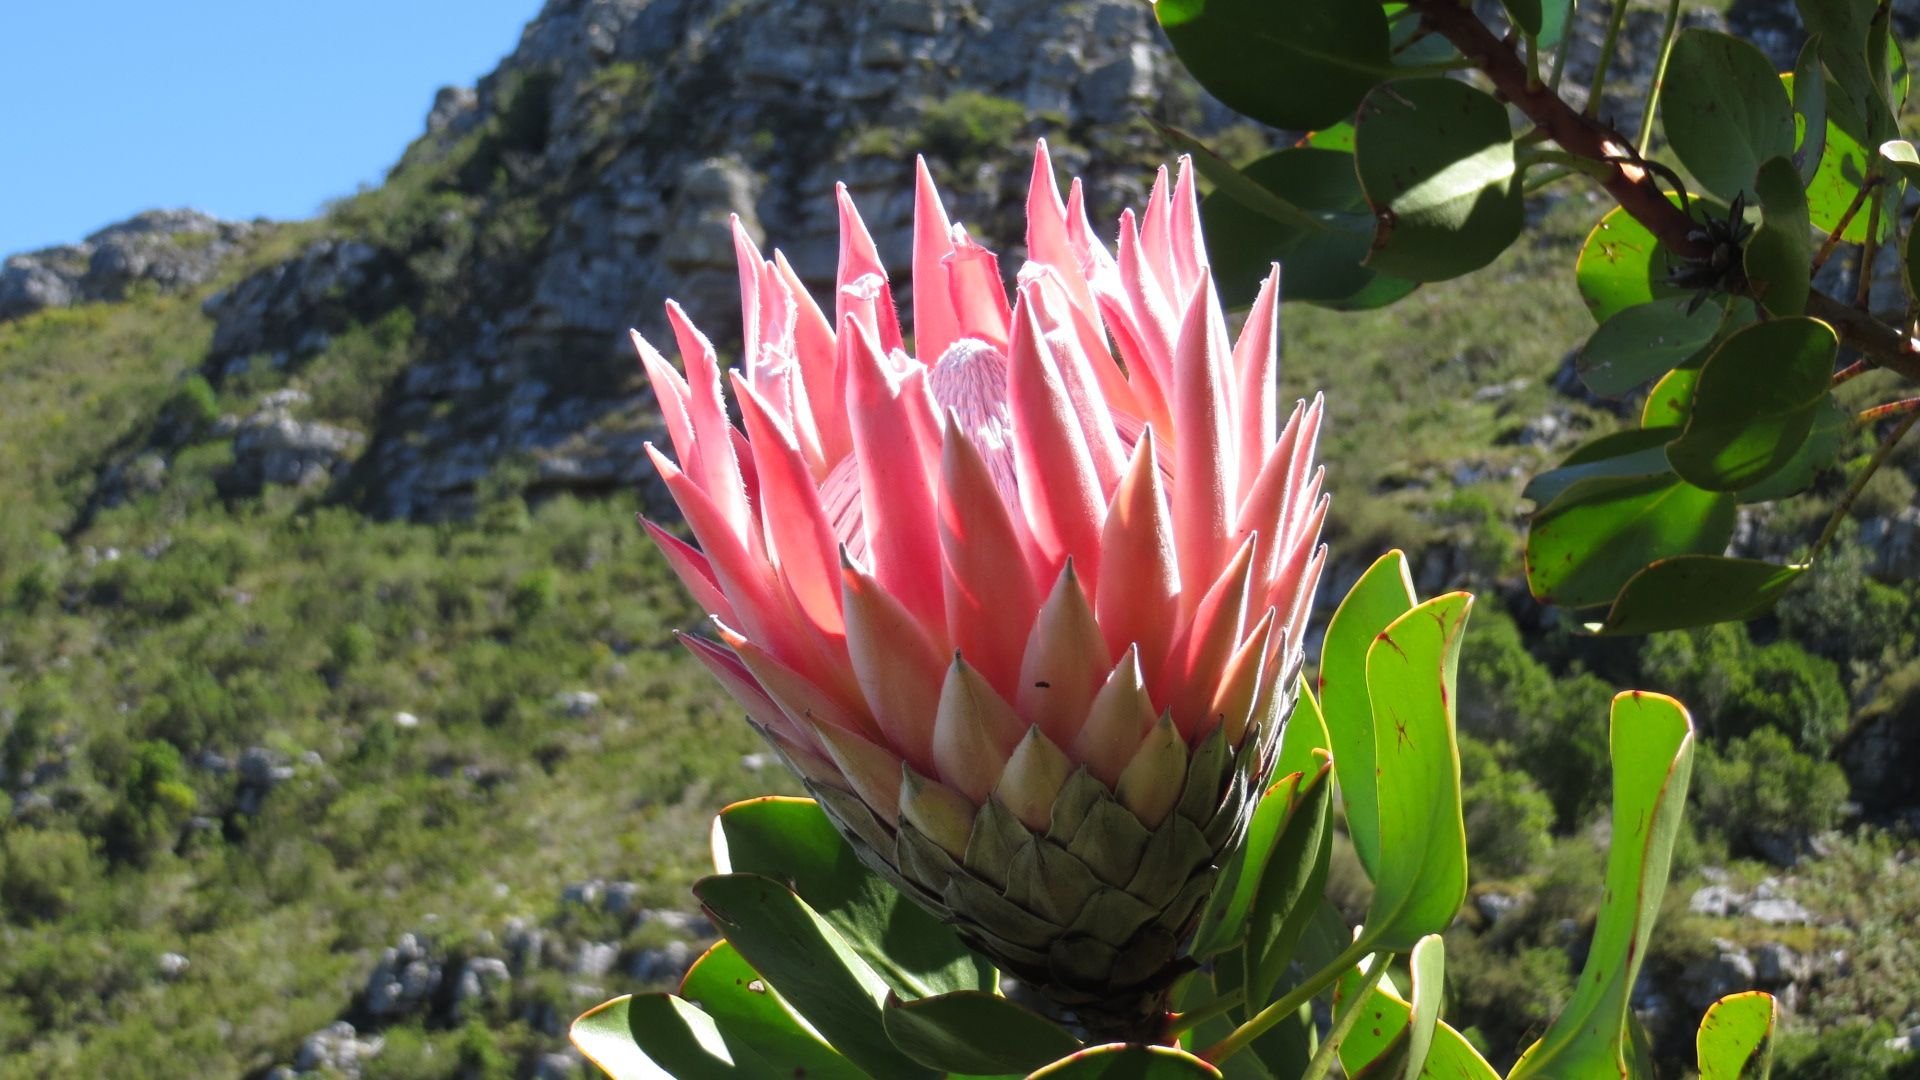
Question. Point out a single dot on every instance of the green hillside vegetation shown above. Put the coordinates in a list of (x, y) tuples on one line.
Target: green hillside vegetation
[(136, 639)]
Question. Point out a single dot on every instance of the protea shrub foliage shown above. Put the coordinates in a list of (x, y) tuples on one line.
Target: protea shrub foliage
[(1020, 593)]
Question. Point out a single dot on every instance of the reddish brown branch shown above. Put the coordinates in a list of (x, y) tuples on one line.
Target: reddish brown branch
[(1631, 183)]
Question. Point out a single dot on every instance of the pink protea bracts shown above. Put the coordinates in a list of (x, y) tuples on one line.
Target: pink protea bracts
[(1024, 606)]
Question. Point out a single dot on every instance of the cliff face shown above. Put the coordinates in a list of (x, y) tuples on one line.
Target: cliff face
[(591, 177)]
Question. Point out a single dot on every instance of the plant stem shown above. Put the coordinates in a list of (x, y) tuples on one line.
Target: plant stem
[(1323, 1058), (1287, 1005), (1635, 186), (1846, 218), (1659, 77), (1615, 19), (1186, 1021), (1850, 372), (1864, 285), (1891, 409), (1859, 484)]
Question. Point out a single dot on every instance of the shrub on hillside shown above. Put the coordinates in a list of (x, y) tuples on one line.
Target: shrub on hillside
[(1759, 788), (1509, 819), (1735, 687)]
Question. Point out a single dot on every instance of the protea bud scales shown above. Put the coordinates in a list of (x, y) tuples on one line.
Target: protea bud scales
[(1024, 607)]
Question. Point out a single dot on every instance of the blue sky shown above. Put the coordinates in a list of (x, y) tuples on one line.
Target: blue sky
[(238, 107)]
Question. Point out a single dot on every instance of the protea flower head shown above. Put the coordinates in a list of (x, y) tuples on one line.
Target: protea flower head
[(1020, 598)]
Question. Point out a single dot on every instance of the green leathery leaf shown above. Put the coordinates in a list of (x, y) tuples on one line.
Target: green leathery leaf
[(1294, 64), (1553, 22), (1670, 400), (1645, 341), (1844, 164), (1584, 546), (1651, 743), (1422, 877), (749, 1011), (1808, 85), (1323, 262), (1223, 924), (1293, 879), (1426, 986), (1845, 30), (1305, 732), (1437, 163), (1128, 1061), (1696, 590), (1526, 14), (811, 965), (1724, 110), (792, 840), (1383, 594), (1452, 1057), (1735, 1041), (1411, 46), (971, 1031), (1830, 427), (1900, 154), (1779, 255), (1631, 453), (1621, 265), (679, 1040), (1754, 406), (1237, 185)]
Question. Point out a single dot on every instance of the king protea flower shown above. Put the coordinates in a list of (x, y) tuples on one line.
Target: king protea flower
[(1020, 598)]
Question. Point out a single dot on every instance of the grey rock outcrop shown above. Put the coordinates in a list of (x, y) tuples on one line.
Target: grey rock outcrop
[(632, 129), (337, 1050), (288, 310), (273, 446), (173, 250), (404, 981)]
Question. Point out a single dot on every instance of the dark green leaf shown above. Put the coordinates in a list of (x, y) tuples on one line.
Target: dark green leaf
[(1631, 453), (1585, 545), (1223, 924), (1383, 594), (1237, 185), (1808, 84), (1621, 265), (1291, 882), (1296, 64), (1436, 162), (752, 1013), (1830, 426), (1755, 404), (1736, 1037), (1845, 29), (1696, 590), (1646, 341), (1129, 1061), (1779, 256), (1652, 748), (970, 1031), (1724, 110), (1526, 15), (680, 1040), (792, 840), (1422, 876), (1323, 263), (812, 966), (1842, 169)]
